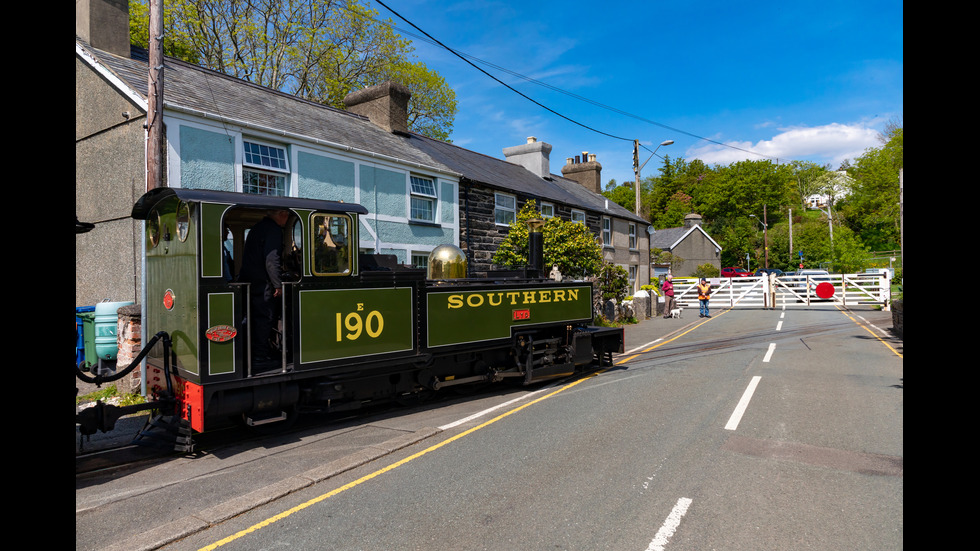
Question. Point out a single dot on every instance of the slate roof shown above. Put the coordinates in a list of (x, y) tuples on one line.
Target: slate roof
[(510, 177), (213, 95), (668, 238)]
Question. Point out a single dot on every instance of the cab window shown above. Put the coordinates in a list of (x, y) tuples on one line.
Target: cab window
[(331, 244)]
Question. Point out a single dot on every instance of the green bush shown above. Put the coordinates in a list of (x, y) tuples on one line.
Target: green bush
[(568, 245), (707, 270), (614, 282)]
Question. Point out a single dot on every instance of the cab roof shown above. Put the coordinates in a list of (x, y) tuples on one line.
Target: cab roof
[(153, 197)]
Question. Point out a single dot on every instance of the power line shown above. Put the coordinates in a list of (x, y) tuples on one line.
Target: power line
[(466, 57), (509, 87)]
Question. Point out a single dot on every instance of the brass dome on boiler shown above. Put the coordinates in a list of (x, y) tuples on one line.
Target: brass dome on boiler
[(446, 262)]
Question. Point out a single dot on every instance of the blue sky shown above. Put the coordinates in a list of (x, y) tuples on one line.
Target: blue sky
[(727, 81)]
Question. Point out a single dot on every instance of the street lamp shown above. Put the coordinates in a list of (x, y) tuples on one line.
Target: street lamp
[(765, 235), (637, 167)]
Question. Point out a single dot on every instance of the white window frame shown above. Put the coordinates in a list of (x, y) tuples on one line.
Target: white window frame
[(419, 194), (607, 233), (419, 259), (547, 210), (634, 271), (510, 211), (578, 216), (633, 242), (270, 162)]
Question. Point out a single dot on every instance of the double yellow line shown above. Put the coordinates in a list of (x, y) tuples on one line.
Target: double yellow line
[(671, 339), (384, 470), (433, 448), (875, 335)]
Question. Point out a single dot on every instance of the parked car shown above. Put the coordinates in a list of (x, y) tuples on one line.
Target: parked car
[(762, 271), (735, 271), (815, 277)]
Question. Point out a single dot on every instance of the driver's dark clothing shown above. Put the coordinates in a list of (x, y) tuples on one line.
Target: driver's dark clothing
[(261, 265)]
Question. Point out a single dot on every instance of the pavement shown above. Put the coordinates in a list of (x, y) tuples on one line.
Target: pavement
[(128, 510)]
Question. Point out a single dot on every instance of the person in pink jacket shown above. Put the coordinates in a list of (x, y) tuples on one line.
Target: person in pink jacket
[(668, 289)]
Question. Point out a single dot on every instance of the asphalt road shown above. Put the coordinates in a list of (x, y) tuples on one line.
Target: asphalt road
[(755, 429)]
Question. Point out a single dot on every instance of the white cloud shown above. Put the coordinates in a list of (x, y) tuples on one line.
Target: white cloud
[(827, 144)]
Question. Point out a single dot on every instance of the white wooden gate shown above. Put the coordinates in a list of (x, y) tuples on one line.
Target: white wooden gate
[(770, 292)]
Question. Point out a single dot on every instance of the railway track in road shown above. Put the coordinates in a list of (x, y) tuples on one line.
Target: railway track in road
[(124, 455), (671, 350)]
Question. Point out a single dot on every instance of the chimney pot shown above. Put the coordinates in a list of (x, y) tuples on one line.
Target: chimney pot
[(586, 171)]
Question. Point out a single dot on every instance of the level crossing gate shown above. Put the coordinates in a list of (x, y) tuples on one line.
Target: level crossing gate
[(774, 291)]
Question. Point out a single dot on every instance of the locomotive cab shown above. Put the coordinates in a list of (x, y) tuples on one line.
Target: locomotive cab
[(195, 243)]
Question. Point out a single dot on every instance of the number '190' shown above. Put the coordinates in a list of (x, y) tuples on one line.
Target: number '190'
[(372, 325)]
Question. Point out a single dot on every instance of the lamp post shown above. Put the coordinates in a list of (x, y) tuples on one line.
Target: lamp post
[(637, 167), (765, 234)]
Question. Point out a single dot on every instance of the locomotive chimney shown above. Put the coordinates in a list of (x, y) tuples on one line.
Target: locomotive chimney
[(535, 248)]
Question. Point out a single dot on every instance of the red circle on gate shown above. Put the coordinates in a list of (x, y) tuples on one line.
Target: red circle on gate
[(168, 299), (825, 290)]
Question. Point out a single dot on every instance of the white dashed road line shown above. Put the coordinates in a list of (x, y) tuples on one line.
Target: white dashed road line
[(659, 542), (743, 404)]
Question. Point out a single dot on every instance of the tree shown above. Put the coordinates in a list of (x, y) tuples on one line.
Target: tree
[(679, 206), (872, 208), (660, 256), (320, 50), (614, 282), (811, 236), (568, 245), (623, 195), (809, 178)]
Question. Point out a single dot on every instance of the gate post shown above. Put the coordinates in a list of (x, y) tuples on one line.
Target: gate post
[(886, 293)]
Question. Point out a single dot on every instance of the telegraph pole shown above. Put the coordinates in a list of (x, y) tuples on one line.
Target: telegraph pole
[(637, 167), (636, 174), (765, 233), (154, 99)]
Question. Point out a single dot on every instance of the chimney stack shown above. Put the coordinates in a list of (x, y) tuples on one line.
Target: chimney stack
[(104, 24), (588, 172), (692, 220), (386, 105), (533, 155)]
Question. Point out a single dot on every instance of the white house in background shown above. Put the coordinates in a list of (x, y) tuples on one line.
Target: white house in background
[(837, 186)]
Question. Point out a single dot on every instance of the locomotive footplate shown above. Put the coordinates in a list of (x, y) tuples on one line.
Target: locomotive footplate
[(605, 341)]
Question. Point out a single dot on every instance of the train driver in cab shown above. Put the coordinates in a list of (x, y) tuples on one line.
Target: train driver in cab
[(262, 268)]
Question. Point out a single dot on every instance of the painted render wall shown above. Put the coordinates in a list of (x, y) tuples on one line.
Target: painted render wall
[(206, 157), (110, 173)]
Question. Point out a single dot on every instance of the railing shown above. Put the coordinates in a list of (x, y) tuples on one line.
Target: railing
[(766, 292)]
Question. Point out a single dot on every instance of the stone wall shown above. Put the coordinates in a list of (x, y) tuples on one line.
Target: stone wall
[(129, 333), (480, 236), (898, 319)]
